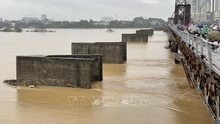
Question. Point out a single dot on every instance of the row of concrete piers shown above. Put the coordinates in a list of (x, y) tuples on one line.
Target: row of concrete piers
[(80, 68)]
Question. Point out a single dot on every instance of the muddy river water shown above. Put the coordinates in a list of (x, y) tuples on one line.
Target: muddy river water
[(147, 89)]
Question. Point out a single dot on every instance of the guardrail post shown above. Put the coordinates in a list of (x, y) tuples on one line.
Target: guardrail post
[(197, 46), (202, 44), (217, 108), (209, 56)]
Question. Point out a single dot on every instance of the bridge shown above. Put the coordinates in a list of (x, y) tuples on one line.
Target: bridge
[(201, 63)]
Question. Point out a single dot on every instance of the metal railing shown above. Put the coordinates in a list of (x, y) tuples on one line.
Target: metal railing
[(201, 47)]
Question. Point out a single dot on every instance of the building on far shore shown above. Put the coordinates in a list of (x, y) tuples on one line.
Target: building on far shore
[(43, 17), (106, 19), (101, 23), (29, 19)]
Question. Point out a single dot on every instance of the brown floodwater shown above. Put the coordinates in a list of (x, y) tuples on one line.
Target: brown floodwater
[(147, 89)]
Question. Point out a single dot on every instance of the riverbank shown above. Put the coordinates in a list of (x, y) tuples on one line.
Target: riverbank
[(16, 29)]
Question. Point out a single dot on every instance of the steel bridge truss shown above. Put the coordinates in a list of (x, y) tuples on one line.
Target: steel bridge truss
[(182, 13)]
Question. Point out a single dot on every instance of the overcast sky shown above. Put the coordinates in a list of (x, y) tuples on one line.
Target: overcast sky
[(74, 10)]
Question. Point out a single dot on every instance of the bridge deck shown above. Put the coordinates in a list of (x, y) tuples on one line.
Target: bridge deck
[(202, 47)]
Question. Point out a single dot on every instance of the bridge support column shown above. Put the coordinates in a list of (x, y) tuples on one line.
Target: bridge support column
[(212, 93), (217, 108), (204, 85), (197, 71)]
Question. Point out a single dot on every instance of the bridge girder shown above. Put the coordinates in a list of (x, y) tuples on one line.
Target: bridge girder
[(182, 12)]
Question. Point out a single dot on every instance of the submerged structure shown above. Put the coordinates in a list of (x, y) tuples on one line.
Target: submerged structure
[(59, 70), (112, 52), (140, 35)]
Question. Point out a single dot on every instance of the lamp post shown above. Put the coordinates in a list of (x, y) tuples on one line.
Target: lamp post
[(213, 2)]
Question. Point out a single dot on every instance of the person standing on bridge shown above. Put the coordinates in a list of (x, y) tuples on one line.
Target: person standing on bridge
[(200, 26), (214, 35), (195, 30), (204, 31), (190, 27)]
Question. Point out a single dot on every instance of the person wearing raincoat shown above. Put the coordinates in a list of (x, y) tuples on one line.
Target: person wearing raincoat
[(204, 31), (214, 35)]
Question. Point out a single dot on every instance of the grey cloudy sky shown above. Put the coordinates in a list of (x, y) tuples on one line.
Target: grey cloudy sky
[(74, 10)]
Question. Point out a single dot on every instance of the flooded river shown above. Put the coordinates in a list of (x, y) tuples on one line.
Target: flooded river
[(147, 89)]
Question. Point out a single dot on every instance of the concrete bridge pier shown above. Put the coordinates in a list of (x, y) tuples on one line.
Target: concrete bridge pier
[(112, 52), (59, 70), (140, 35)]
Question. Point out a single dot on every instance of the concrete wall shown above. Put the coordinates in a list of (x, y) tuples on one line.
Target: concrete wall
[(148, 31), (134, 38), (97, 68), (59, 70), (112, 52)]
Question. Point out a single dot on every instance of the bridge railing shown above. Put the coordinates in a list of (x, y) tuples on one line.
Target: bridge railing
[(200, 47)]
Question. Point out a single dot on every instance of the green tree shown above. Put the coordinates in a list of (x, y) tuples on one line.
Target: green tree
[(17, 29)]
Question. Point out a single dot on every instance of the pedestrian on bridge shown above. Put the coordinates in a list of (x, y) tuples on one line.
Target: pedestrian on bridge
[(190, 27), (214, 35), (204, 31), (195, 30), (200, 26)]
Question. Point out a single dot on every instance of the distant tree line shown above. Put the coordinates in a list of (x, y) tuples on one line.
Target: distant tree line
[(138, 22), (15, 29)]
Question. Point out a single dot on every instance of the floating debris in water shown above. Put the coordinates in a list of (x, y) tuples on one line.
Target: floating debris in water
[(109, 30), (12, 82), (31, 86)]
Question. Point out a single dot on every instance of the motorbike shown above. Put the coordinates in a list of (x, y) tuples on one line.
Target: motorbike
[(205, 36), (214, 47)]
